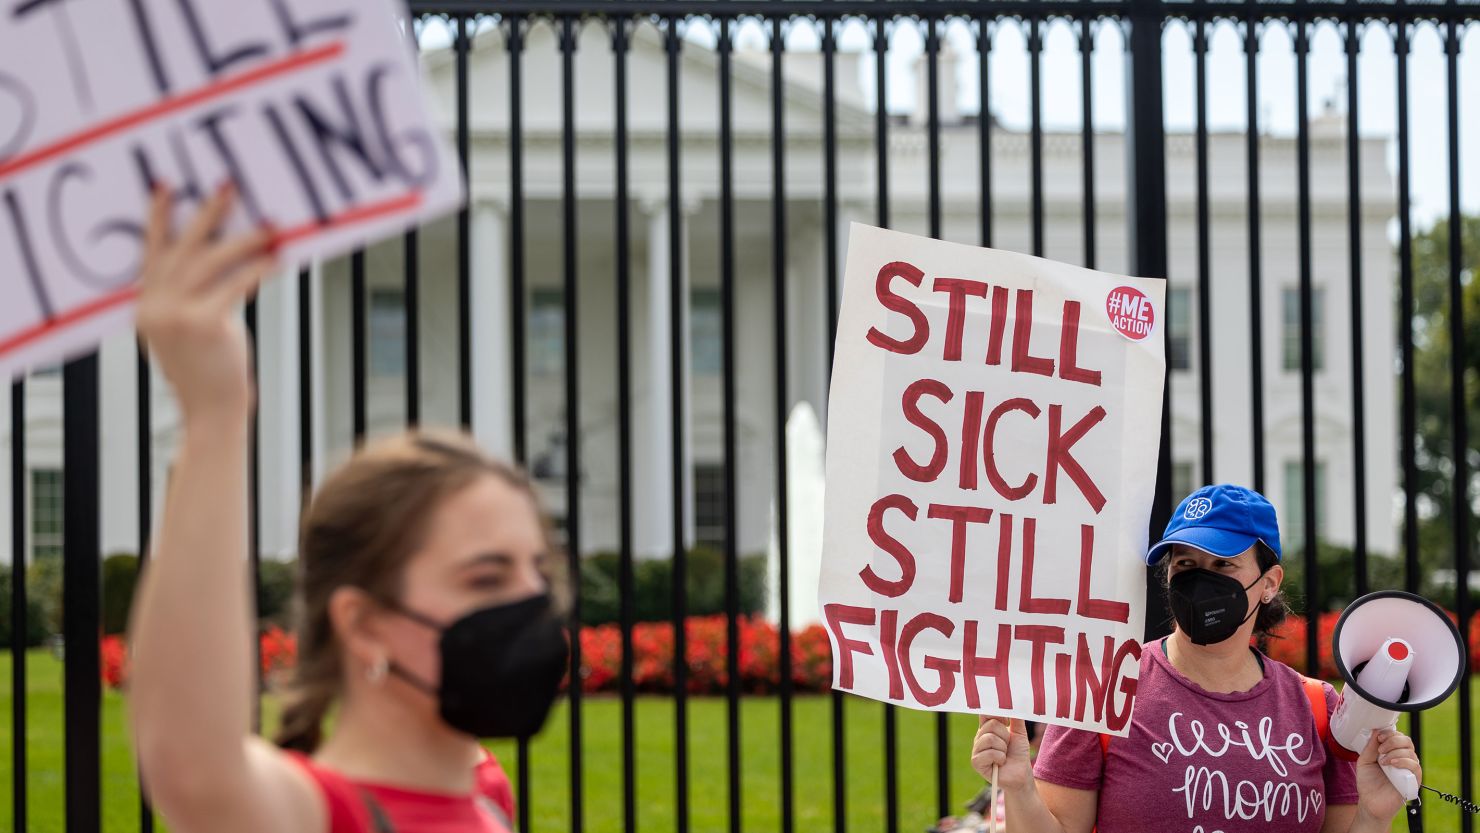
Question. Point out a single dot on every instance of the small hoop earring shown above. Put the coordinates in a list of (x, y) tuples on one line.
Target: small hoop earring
[(377, 670)]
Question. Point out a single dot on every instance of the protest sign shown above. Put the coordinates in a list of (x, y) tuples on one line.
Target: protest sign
[(992, 445), (312, 107)]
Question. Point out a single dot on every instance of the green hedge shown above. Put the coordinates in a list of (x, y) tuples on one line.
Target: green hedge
[(36, 631), (120, 576), (653, 586)]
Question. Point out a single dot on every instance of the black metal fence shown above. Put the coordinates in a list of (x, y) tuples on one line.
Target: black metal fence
[(1435, 476)]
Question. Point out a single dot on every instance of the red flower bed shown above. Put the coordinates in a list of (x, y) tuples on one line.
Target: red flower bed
[(707, 650), (706, 653), (115, 661), (278, 649)]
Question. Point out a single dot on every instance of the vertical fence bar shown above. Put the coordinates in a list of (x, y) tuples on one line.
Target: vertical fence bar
[(932, 95), (727, 313), (81, 596), (1204, 257), (358, 344), (1307, 345), (514, 44), (515, 47), (984, 125), (411, 291), (1146, 162), (1459, 420), (1256, 305), (830, 178), (830, 235), (1035, 140), (144, 483), (464, 44), (625, 577), (254, 516), (568, 38), (1354, 238), (673, 42), (1087, 134), (783, 400), (881, 142), (18, 604), (305, 386), (1409, 418)]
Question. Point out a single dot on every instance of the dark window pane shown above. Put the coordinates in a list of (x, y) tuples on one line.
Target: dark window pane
[(709, 504), (46, 513), (1291, 329), (546, 332), (387, 328), (706, 333), (1179, 329)]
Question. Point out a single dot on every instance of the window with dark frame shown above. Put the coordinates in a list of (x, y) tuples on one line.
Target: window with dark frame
[(1291, 330), (709, 505), (47, 521), (387, 332), (1294, 523), (706, 332), (1183, 483), (546, 332), (1179, 328)]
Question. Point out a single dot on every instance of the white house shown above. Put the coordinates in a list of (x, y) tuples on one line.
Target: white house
[(805, 328)]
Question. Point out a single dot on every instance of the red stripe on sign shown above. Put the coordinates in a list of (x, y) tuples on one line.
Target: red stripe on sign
[(100, 305), (97, 306), (164, 107), (370, 211)]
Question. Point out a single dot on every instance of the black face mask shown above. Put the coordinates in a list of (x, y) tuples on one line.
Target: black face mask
[(1209, 607), (501, 668)]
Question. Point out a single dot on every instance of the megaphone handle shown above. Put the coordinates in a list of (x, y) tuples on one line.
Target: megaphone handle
[(1404, 781), (1415, 817)]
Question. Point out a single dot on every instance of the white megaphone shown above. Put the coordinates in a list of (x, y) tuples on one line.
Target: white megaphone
[(1398, 653)]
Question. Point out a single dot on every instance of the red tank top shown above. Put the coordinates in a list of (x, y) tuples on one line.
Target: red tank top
[(358, 807)]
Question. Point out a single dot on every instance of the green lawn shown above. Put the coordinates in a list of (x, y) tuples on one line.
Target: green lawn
[(602, 762)]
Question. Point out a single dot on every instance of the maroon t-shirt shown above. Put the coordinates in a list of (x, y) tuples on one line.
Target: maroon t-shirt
[(1201, 762)]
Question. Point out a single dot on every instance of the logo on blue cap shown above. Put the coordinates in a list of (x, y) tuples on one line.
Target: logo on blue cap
[(1197, 508), (1224, 520)]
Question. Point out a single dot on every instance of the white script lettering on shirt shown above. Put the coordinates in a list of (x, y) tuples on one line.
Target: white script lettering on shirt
[(1204, 789), (1194, 737)]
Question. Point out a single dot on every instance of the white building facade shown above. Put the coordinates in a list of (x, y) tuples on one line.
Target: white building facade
[(805, 329)]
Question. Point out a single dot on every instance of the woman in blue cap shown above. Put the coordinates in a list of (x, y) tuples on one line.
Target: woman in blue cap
[(1222, 738)]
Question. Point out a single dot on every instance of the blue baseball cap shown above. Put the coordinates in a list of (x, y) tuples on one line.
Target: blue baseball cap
[(1223, 520)]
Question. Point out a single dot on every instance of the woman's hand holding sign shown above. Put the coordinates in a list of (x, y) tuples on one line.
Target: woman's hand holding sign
[(191, 287), (1003, 745)]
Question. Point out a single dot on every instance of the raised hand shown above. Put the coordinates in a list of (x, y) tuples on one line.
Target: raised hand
[(191, 287)]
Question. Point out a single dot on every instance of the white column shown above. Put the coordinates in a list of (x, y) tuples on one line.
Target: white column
[(493, 380), (318, 401), (807, 334), (279, 447), (688, 208), (118, 514), (653, 440)]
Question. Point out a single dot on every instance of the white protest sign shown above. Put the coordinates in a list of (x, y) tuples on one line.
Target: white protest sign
[(313, 108), (991, 457)]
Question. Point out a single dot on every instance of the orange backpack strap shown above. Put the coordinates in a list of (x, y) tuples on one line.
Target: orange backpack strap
[(1315, 692), (1104, 745)]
